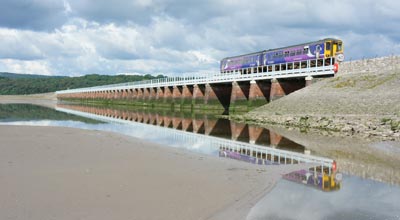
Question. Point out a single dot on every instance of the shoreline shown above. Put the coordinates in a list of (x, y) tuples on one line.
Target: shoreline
[(46, 99), (370, 127), (355, 103), (100, 175)]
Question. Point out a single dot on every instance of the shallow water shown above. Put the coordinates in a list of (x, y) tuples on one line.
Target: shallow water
[(358, 199), (352, 198)]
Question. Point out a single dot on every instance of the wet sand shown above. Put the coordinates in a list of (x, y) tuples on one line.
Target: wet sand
[(45, 99), (65, 173)]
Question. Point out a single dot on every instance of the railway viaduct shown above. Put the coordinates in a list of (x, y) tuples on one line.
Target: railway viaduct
[(229, 92)]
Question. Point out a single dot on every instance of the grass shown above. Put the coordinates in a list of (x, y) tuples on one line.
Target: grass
[(379, 82), (345, 83)]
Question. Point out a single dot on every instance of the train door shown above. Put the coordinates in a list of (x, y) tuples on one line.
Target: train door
[(328, 49), (335, 47)]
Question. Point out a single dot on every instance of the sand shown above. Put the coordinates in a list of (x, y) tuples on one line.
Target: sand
[(44, 99), (66, 173)]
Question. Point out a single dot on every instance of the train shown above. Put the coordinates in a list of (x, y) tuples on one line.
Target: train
[(328, 49)]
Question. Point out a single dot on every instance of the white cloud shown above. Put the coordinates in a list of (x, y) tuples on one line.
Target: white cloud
[(23, 66), (175, 37)]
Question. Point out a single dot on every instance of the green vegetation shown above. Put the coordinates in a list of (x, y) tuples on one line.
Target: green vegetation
[(374, 83), (211, 107), (345, 83), (20, 84)]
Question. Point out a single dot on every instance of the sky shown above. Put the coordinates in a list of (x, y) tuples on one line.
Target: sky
[(181, 37)]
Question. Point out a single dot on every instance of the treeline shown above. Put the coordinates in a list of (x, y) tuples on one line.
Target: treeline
[(21, 86)]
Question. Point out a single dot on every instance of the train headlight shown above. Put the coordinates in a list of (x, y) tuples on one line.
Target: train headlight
[(339, 177), (340, 57)]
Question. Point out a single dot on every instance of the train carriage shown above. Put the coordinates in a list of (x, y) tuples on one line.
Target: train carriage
[(318, 52)]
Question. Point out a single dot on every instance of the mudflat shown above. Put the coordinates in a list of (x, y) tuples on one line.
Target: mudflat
[(44, 99), (66, 173)]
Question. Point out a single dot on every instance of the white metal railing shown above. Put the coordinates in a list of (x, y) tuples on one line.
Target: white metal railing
[(193, 139), (309, 70)]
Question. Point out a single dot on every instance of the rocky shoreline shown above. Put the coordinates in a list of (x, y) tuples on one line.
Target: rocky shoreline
[(362, 100), (386, 128)]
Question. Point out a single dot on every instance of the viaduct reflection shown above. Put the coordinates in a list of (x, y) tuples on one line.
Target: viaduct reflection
[(199, 124), (322, 175)]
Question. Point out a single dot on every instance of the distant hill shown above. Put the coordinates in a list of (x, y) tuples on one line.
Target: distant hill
[(20, 84), (26, 76)]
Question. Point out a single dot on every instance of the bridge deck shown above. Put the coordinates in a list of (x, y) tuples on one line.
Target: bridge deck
[(311, 69)]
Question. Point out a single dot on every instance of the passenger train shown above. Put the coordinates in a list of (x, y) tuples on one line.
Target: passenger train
[(323, 52)]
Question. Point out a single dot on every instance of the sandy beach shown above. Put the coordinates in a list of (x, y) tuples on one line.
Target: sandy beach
[(45, 99), (65, 173)]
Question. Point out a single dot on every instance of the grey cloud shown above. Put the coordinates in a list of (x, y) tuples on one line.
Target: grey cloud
[(32, 14), (116, 11)]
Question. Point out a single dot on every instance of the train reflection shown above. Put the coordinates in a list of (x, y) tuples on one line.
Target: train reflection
[(321, 178)]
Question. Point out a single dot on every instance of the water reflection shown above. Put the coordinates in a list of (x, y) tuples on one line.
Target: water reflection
[(358, 199), (194, 127), (316, 178), (295, 197), (323, 178), (28, 112), (199, 133), (196, 123)]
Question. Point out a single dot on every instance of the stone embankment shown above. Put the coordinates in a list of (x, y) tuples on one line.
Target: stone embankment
[(363, 99)]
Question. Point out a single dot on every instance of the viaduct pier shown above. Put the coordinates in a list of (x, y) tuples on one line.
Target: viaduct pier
[(231, 92)]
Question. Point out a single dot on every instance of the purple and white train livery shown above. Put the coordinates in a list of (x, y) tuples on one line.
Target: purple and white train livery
[(250, 63)]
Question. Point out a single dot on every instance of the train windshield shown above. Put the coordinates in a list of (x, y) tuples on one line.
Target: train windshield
[(340, 46), (328, 45)]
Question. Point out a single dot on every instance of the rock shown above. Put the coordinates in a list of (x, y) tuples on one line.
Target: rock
[(289, 119)]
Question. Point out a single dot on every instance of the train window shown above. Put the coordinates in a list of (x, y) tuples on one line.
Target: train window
[(305, 50), (339, 47), (245, 71), (292, 53), (280, 54), (298, 52), (328, 45), (286, 53)]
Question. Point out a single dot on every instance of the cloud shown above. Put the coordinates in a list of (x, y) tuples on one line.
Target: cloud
[(33, 14), (31, 67), (75, 37), (11, 47)]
